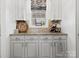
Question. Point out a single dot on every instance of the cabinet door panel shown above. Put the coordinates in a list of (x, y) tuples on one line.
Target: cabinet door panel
[(45, 48), (18, 50), (31, 47), (32, 50), (16, 46), (60, 48)]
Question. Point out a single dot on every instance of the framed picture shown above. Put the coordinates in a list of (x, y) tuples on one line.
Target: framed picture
[(38, 9)]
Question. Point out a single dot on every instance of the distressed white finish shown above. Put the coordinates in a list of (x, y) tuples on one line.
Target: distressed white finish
[(38, 46)]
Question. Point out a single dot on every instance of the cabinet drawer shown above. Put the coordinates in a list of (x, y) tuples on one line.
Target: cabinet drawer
[(31, 39), (17, 38), (46, 37), (60, 37)]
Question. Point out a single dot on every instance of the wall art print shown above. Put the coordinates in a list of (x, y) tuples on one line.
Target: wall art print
[(38, 9)]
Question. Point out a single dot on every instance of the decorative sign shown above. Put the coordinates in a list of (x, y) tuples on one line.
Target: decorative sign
[(38, 8)]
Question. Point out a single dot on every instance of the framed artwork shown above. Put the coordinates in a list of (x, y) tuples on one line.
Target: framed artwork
[(38, 9)]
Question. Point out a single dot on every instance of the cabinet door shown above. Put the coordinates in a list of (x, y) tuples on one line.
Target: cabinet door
[(60, 48), (18, 50), (16, 47), (45, 48), (31, 47)]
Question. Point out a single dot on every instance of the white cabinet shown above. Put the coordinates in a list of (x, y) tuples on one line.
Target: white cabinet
[(38, 46)]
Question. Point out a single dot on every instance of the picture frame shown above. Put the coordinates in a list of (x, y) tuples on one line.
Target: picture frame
[(38, 10)]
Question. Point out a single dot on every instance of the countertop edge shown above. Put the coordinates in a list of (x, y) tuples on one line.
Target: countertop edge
[(38, 34)]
